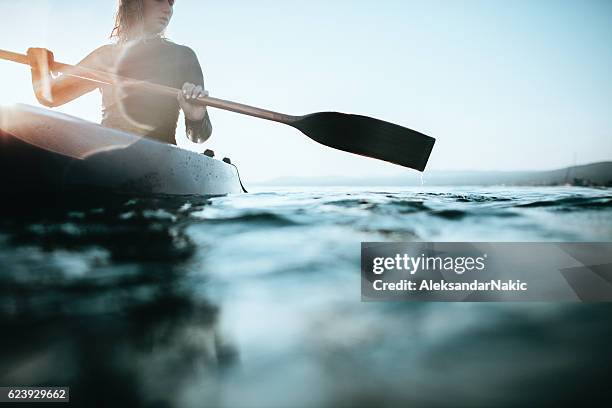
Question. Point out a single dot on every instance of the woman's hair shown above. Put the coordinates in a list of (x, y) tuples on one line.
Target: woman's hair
[(129, 20)]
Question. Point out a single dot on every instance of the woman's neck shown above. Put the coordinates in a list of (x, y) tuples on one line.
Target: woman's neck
[(149, 37), (139, 36)]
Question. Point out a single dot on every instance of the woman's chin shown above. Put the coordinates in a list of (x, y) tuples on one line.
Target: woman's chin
[(155, 30)]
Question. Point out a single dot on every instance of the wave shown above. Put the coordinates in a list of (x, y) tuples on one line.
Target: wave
[(569, 203)]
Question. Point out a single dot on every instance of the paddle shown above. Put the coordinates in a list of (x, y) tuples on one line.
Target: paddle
[(356, 134)]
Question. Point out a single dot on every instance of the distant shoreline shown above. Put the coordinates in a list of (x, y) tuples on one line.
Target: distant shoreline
[(588, 175)]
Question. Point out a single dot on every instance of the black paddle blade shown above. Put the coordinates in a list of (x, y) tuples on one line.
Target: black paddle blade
[(368, 137)]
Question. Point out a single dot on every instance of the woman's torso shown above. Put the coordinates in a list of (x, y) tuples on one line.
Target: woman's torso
[(158, 61)]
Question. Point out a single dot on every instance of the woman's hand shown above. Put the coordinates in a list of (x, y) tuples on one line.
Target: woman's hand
[(188, 94), (41, 60)]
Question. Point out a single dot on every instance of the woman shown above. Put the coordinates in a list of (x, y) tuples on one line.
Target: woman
[(140, 52)]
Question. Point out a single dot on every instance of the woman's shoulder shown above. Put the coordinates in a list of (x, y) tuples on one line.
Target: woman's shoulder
[(100, 58), (105, 51), (180, 48)]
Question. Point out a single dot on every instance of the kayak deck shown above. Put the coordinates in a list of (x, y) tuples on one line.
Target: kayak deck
[(42, 150)]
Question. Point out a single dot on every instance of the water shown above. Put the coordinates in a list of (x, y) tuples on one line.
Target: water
[(254, 301)]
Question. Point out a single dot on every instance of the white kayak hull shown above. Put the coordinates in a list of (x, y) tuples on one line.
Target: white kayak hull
[(42, 150)]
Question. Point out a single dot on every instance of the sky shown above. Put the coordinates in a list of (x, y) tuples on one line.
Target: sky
[(521, 85)]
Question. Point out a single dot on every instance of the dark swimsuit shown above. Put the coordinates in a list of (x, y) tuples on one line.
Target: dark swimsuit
[(159, 61)]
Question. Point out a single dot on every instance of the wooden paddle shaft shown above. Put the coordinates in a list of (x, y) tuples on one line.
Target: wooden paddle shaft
[(113, 79)]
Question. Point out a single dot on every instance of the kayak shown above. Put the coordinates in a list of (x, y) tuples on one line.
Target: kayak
[(46, 151)]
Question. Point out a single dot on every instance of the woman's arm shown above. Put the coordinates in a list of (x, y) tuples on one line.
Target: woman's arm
[(197, 122), (55, 91)]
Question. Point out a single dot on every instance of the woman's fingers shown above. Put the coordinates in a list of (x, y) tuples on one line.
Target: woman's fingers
[(198, 91), (191, 91), (187, 90), (195, 92), (38, 57)]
